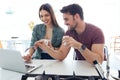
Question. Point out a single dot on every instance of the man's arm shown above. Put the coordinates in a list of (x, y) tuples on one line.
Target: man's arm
[(96, 53), (59, 54)]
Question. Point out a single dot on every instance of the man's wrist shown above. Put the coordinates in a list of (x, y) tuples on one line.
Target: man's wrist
[(82, 48)]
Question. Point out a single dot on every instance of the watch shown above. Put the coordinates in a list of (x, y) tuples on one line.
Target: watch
[(83, 47)]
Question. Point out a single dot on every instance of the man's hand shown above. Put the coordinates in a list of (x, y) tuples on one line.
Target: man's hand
[(70, 42), (43, 44)]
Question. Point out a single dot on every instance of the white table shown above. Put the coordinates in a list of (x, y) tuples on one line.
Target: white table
[(9, 75), (66, 67)]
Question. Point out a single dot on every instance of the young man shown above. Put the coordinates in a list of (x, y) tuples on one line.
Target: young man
[(85, 38)]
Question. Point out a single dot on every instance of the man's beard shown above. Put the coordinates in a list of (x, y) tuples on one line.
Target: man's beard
[(74, 26)]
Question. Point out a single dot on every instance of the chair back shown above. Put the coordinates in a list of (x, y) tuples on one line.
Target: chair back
[(105, 53)]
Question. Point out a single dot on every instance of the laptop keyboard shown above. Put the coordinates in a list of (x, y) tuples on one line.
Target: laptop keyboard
[(28, 67)]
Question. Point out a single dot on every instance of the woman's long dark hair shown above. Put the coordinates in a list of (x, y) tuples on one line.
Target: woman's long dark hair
[(49, 9)]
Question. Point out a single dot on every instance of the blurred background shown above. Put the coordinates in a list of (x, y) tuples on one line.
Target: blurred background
[(18, 17)]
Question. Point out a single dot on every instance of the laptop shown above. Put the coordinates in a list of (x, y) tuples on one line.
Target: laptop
[(12, 60)]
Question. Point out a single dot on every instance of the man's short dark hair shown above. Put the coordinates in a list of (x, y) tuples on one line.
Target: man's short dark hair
[(73, 9)]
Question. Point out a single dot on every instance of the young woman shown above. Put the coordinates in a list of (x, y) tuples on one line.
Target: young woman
[(49, 30)]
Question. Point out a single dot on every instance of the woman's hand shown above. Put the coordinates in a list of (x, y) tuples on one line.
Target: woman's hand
[(27, 57), (43, 44)]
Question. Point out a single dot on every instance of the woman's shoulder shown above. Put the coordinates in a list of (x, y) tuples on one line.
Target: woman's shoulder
[(59, 29), (39, 25)]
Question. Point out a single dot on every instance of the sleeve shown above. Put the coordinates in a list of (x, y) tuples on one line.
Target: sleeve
[(34, 36), (98, 37), (58, 37)]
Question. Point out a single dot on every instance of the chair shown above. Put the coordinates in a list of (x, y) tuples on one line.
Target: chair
[(105, 53)]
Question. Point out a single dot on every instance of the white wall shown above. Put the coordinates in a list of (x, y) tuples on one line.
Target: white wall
[(102, 13)]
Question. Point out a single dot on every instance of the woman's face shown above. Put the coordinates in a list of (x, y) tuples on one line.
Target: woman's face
[(45, 17)]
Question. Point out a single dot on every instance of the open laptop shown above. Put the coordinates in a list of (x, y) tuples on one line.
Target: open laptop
[(12, 60)]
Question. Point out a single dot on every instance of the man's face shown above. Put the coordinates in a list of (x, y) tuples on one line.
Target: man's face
[(70, 21)]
